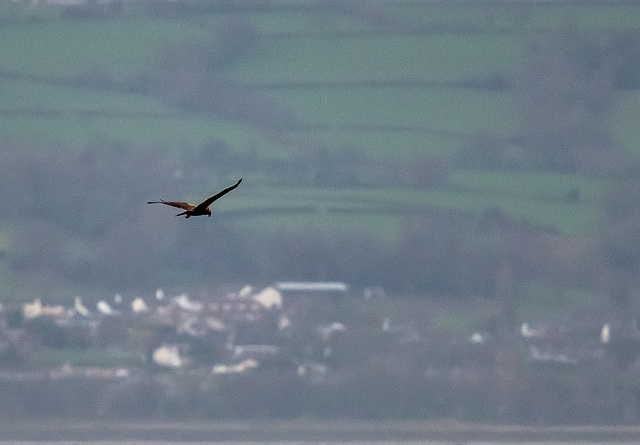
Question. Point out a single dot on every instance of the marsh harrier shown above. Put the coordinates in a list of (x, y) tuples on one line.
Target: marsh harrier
[(202, 208)]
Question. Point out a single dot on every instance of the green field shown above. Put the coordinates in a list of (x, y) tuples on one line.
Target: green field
[(381, 86), (290, 51)]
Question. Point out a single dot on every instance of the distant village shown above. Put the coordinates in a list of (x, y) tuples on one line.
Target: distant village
[(310, 333), (236, 331)]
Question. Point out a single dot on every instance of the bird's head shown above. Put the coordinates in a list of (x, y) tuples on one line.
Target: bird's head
[(208, 212)]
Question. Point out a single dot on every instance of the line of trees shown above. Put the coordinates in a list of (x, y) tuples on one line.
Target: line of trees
[(77, 217)]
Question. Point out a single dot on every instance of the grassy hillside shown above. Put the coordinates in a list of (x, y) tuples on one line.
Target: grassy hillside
[(391, 89)]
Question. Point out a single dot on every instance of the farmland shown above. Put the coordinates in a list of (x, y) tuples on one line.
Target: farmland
[(468, 170), (338, 114)]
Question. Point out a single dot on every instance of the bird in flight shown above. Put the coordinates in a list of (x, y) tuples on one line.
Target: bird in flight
[(200, 209)]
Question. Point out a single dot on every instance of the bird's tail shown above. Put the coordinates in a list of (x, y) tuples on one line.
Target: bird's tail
[(184, 213)]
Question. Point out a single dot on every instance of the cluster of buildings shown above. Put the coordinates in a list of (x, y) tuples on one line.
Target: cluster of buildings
[(315, 338), (232, 333), (293, 322)]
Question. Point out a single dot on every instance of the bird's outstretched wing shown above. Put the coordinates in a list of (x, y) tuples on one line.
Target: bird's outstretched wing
[(180, 205), (204, 204)]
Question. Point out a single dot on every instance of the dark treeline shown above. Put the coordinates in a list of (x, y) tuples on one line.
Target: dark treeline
[(79, 216)]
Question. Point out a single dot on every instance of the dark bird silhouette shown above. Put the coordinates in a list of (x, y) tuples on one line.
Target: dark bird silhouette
[(199, 210)]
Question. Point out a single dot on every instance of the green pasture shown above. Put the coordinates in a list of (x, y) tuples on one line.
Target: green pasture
[(443, 57), (381, 227), (536, 185), (576, 219), (521, 16), (119, 47), (625, 122), (408, 120), (383, 143), (603, 16), (357, 208), (453, 110), (33, 111), (25, 95), (283, 23), (21, 12), (386, 225), (319, 72), (5, 237)]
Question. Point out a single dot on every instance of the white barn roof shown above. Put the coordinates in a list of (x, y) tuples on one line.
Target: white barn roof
[(311, 286)]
